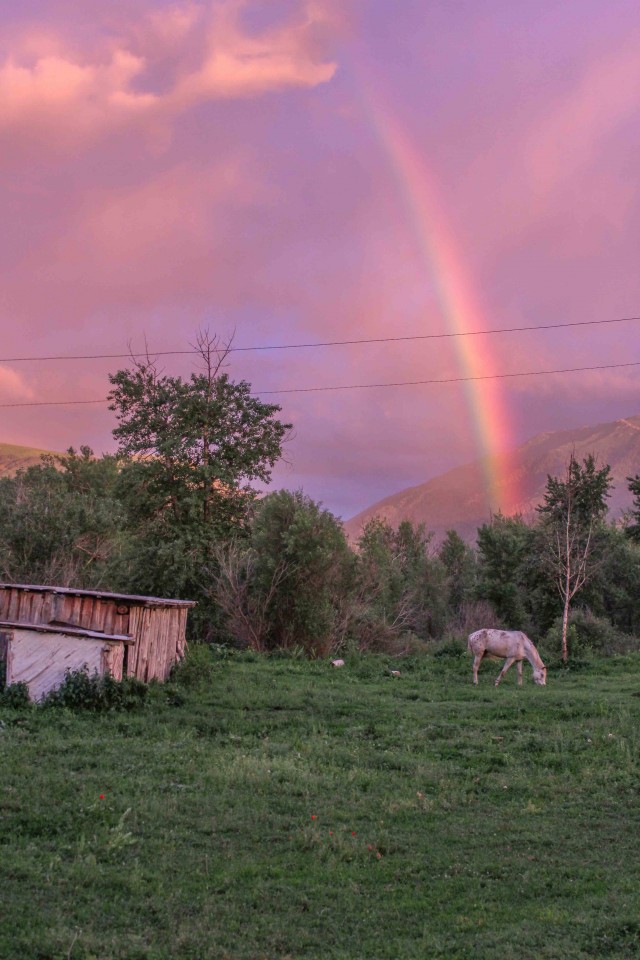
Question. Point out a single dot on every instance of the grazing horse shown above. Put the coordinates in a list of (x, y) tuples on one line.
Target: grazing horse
[(510, 645)]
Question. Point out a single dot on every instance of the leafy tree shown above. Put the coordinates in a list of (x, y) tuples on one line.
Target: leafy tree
[(61, 521), (633, 530), (504, 546), (193, 447), (572, 517), (190, 451), (614, 588), (459, 562), (402, 584), (291, 583)]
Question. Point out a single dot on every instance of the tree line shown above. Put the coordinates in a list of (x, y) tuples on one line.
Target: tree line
[(175, 512)]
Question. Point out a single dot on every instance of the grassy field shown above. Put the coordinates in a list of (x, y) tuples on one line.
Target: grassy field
[(284, 809)]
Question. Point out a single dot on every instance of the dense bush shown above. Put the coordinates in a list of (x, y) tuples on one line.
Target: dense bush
[(403, 588), (196, 669), (60, 521), (16, 696), (98, 693), (587, 635), (452, 647), (290, 584)]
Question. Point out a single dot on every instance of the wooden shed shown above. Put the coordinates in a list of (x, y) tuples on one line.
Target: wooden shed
[(45, 630)]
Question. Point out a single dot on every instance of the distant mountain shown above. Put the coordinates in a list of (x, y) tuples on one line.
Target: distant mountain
[(458, 500), (14, 458)]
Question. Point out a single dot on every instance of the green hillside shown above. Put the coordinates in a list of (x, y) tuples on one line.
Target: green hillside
[(14, 458)]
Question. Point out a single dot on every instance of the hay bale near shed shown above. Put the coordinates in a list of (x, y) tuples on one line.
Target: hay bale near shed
[(48, 629)]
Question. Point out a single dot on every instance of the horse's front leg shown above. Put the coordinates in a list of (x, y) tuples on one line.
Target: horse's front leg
[(519, 673), (509, 663)]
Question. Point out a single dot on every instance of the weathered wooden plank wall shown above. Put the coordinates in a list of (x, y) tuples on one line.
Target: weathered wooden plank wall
[(41, 659), (160, 641), (25, 606), (112, 659), (159, 631), (92, 613)]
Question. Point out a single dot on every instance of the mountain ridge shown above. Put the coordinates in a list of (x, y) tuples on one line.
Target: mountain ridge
[(14, 457), (457, 499)]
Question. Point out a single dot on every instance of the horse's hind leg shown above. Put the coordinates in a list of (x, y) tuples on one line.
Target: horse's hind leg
[(477, 660), (519, 673)]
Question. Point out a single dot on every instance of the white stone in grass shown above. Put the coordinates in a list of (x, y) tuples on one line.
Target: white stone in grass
[(337, 663), (395, 673)]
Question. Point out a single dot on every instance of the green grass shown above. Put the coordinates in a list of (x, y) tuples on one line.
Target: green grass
[(450, 821)]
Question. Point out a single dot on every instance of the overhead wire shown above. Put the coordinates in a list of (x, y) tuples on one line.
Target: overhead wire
[(324, 343), (362, 386)]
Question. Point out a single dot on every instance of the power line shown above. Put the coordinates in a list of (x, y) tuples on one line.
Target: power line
[(324, 343), (415, 383), (52, 403), (438, 336), (362, 386)]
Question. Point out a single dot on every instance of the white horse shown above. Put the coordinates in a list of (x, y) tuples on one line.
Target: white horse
[(511, 645)]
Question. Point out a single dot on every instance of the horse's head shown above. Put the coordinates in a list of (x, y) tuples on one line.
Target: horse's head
[(540, 675)]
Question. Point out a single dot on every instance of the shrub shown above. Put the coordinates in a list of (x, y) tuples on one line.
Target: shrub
[(452, 646), (16, 696), (588, 635), (81, 690), (198, 668), (295, 652)]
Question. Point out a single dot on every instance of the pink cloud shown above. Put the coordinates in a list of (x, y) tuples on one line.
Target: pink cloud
[(74, 98), (170, 26), (80, 97), (13, 386), (239, 65)]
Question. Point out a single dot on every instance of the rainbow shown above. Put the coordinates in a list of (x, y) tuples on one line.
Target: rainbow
[(458, 301)]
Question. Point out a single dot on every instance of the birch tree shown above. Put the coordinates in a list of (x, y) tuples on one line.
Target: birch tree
[(572, 515)]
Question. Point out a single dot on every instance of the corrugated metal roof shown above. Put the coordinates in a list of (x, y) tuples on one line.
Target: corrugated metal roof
[(67, 631), (133, 599)]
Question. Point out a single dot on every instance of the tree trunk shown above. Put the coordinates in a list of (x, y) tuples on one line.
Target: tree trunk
[(565, 626), (567, 584)]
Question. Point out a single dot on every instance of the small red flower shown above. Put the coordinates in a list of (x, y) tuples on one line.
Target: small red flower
[(102, 796), (313, 816), (330, 833), (353, 833)]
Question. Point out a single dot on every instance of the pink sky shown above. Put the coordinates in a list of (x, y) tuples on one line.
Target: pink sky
[(330, 169)]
